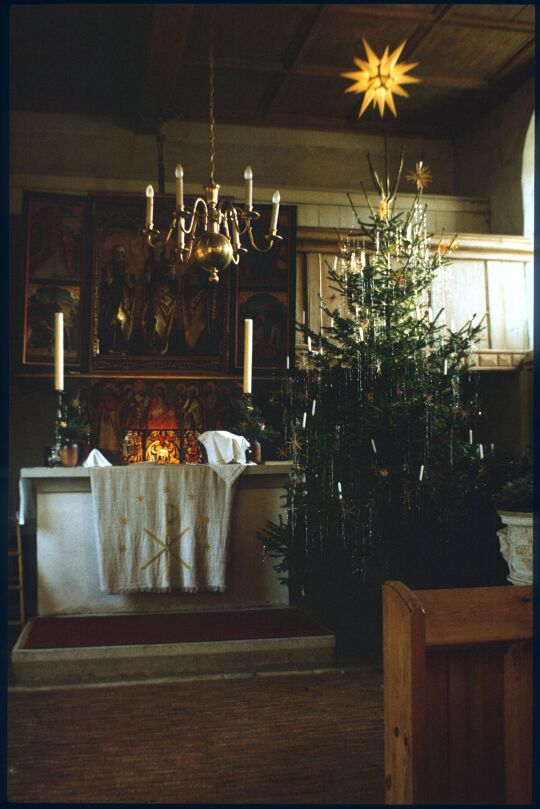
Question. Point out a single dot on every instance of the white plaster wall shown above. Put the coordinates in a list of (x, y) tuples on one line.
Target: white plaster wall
[(488, 159), (106, 155)]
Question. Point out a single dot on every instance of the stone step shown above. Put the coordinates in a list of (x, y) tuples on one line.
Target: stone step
[(80, 649)]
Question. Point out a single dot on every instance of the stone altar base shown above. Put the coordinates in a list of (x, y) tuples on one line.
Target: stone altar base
[(103, 648)]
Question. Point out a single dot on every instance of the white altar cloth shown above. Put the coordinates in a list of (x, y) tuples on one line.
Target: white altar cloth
[(162, 527)]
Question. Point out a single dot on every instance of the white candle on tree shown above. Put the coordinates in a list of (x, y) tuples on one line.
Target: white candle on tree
[(248, 354), (59, 351)]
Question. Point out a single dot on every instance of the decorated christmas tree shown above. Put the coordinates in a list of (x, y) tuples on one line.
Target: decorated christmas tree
[(380, 423)]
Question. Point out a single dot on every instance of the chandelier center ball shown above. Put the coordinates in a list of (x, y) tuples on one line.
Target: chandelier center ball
[(213, 252)]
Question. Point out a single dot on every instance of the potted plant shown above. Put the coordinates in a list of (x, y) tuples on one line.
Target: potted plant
[(514, 504), (75, 432), (249, 422)]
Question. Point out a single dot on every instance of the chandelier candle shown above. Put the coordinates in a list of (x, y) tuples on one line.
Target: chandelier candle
[(149, 207), (248, 177), (275, 212), (59, 351), (470, 437), (304, 418), (313, 407), (248, 354)]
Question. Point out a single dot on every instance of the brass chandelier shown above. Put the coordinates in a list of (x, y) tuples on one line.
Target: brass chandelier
[(212, 230)]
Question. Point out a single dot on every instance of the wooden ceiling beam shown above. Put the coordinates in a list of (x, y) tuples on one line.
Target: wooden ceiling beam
[(423, 31), (525, 53), (331, 71), (402, 12), (443, 82), (297, 48), (163, 60)]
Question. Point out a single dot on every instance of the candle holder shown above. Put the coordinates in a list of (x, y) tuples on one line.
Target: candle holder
[(54, 458)]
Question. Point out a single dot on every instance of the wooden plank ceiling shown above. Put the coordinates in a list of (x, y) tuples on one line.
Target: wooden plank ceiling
[(276, 64)]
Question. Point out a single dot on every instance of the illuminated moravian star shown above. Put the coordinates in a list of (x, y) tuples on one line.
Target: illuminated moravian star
[(378, 78)]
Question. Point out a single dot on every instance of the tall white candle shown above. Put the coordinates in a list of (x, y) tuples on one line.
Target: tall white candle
[(481, 451), (470, 437), (304, 420), (149, 206), (248, 177), (421, 475), (361, 334), (373, 445), (59, 351), (179, 174), (309, 343), (446, 367), (340, 495), (304, 317), (313, 407), (248, 354), (288, 362)]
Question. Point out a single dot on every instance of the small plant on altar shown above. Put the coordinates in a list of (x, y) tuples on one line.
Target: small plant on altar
[(74, 425), (248, 420)]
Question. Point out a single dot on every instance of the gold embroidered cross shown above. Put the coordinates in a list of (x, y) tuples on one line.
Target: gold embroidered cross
[(166, 548)]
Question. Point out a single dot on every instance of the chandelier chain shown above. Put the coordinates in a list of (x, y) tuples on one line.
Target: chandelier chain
[(212, 118)]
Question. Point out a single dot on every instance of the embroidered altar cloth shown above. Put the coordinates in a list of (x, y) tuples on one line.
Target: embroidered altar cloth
[(163, 527)]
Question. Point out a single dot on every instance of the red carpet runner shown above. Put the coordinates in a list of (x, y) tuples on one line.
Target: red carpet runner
[(61, 632)]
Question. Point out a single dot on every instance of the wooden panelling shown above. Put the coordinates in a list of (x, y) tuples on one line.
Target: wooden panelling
[(518, 680), (460, 687)]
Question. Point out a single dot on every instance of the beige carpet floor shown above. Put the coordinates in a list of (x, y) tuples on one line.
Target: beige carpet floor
[(289, 738)]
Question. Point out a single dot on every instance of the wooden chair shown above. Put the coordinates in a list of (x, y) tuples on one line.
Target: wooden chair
[(457, 694), (17, 611)]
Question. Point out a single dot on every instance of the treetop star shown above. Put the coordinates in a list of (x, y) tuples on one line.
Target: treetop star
[(379, 78)]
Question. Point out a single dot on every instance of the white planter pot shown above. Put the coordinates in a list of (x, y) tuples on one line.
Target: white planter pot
[(516, 544)]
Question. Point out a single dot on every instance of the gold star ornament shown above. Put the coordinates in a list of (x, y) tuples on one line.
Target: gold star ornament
[(380, 78), (421, 176)]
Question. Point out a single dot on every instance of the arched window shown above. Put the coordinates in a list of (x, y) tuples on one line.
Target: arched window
[(527, 181)]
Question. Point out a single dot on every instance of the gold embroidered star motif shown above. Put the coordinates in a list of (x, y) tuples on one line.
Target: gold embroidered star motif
[(140, 498), (124, 521), (282, 453), (166, 548), (348, 511), (122, 548)]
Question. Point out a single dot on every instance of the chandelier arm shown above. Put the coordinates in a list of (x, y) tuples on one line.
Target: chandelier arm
[(269, 239), (195, 215)]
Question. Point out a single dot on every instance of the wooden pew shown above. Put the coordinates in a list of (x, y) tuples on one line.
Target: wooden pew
[(457, 694)]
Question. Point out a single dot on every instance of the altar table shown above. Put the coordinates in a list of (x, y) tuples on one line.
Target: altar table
[(67, 562)]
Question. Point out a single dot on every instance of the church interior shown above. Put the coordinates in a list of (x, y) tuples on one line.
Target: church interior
[(271, 284)]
